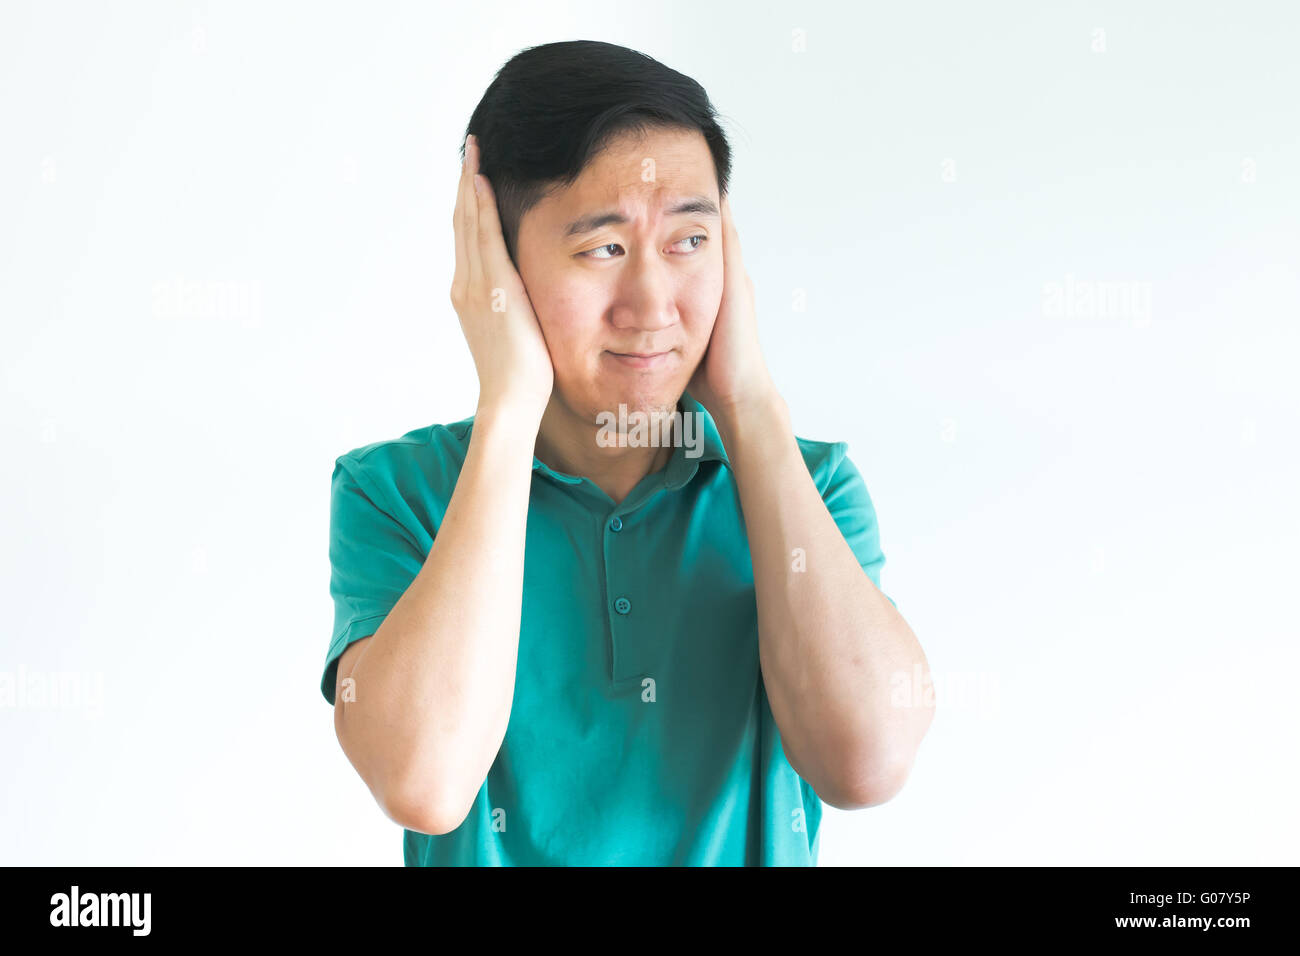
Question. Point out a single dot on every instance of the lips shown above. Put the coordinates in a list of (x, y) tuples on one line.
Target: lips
[(640, 359)]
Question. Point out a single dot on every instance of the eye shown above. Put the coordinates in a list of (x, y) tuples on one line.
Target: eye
[(591, 253), (703, 240)]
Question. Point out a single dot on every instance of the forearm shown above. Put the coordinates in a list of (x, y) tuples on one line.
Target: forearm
[(434, 687), (829, 640)]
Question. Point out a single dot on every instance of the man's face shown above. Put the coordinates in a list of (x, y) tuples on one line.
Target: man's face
[(644, 285)]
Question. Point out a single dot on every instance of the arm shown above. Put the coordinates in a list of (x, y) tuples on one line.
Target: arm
[(433, 686), (829, 640)]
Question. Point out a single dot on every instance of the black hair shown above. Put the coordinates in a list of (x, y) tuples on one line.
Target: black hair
[(552, 107)]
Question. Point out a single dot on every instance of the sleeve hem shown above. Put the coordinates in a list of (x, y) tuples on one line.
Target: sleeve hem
[(339, 645)]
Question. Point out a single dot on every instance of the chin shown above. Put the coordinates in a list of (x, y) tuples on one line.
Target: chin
[(645, 397)]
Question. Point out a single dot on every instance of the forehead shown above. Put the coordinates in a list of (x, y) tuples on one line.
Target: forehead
[(650, 170)]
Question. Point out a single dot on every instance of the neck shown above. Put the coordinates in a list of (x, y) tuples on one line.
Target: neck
[(567, 443)]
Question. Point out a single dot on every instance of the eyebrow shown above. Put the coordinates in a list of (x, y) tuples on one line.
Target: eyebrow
[(699, 205)]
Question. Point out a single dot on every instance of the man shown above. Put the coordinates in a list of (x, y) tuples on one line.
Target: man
[(556, 642)]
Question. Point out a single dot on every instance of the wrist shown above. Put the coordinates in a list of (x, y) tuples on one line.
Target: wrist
[(513, 420), (761, 411), (756, 421)]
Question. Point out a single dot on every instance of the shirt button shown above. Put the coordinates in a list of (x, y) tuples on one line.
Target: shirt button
[(616, 523), (622, 605)]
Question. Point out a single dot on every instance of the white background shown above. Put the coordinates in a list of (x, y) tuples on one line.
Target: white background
[(225, 256)]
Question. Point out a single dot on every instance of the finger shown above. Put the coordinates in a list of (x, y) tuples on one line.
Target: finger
[(461, 275), (729, 227), (732, 262), (492, 243), (471, 233)]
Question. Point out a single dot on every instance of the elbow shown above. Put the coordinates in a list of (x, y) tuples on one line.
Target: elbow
[(868, 783), (422, 808), (875, 775), (409, 801)]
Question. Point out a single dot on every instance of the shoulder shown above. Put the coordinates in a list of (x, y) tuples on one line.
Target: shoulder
[(425, 458), (824, 460)]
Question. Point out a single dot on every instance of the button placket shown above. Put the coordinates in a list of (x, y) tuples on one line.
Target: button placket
[(622, 605), (622, 628)]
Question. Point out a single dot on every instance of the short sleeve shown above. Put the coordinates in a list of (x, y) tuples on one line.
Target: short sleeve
[(373, 560), (850, 505)]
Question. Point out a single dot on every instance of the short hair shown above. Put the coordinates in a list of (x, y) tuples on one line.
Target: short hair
[(551, 108)]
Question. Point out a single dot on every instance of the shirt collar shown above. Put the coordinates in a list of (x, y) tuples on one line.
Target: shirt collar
[(681, 467)]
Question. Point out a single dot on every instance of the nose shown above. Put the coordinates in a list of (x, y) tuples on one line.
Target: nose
[(646, 296)]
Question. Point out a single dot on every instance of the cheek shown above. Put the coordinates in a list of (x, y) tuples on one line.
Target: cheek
[(570, 319), (699, 301), (558, 301)]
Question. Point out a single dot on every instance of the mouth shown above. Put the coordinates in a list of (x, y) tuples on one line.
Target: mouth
[(640, 359)]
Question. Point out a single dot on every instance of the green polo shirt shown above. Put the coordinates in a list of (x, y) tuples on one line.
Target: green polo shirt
[(640, 731)]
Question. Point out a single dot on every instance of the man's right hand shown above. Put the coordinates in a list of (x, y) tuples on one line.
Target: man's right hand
[(496, 315)]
